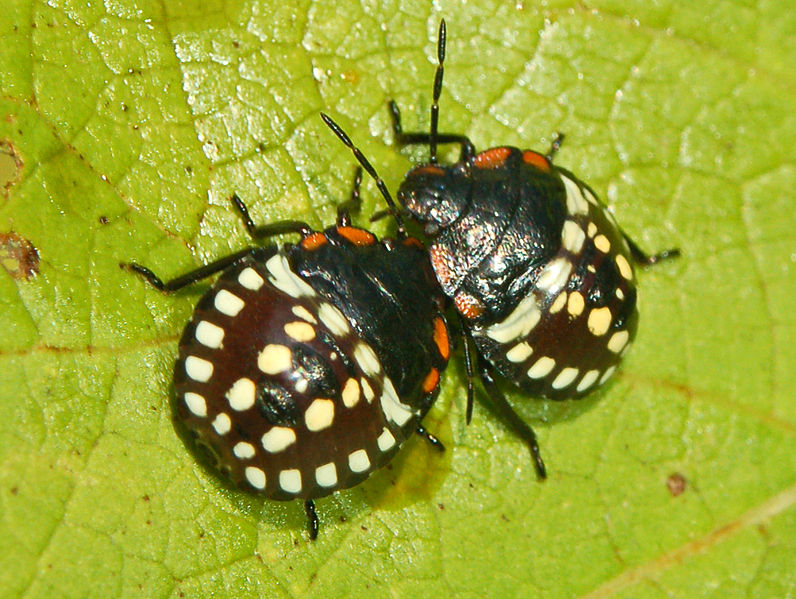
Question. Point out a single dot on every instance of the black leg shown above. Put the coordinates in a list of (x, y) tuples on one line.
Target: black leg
[(271, 229), (382, 186), (435, 442), (555, 146), (353, 204), (188, 278), (512, 419), (644, 259), (312, 518), (468, 365)]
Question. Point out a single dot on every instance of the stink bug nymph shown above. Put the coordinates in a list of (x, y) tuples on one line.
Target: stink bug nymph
[(305, 366)]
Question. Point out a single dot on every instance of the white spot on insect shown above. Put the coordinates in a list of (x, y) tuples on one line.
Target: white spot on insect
[(300, 331), (588, 380), (576, 204), (302, 385), (618, 341), (590, 268), (350, 393), (241, 395), (558, 303), (366, 358), (274, 359), (290, 481), (256, 477), (591, 230), (519, 353), (243, 450), (198, 369), (517, 324), (601, 243), (367, 390), (624, 267), (575, 304), (333, 356), (565, 378), (319, 415), (358, 461), (607, 374), (554, 275), (572, 237), (392, 407), (333, 319), (541, 367), (250, 279), (304, 314), (209, 334), (590, 196), (196, 404), (326, 475), (599, 320), (222, 424), (620, 294), (278, 439), (228, 303), (386, 440), (284, 279)]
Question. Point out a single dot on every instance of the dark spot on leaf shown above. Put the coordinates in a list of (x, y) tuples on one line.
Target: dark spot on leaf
[(235, 44), (676, 483), (342, 518), (125, 108), (14, 490), (441, 506), (189, 169), (145, 498), (18, 256), (350, 76), (10, 165), (103, 220), (363, 527)]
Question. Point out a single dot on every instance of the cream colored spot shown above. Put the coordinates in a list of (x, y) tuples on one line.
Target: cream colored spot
[(575, 304), (285, 279), (209, 334), (302, 384), (601, 243), (599, 320), (554, 275), (228, 303), (607, 374), (198, 369), (367, 390), (326, 475), (358, 460), (588, 380), (278, 439), (618, 341), (565, 378), (624, 267), (319, 415), (241, 395), (519, 353), (303, 313), (517, 324), (575, 202), (591, 230), (590, 268), (590, 197), (333, 319), (541, 367), (249, 278), (256, 477), (558, 303), (350, 393), (196, 404), (300, 331), (222, 424), (290, 481), (243, 450), (386, 440), (391, 405), (572, 237), (274, 359), (620, 294), (366, 358)]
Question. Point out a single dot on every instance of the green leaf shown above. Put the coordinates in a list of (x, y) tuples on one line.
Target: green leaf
[(125, 126)]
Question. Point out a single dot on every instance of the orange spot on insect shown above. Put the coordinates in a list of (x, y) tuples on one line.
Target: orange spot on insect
[(536, 159), (441, 338), (468, 306), (413, 241), (440, 259), (428, 169), (313, 241), (492, 158), (431, 381), (357, 236)]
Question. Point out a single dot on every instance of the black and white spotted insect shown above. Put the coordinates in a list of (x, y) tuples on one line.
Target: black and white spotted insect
[(306, 366), (539, 271)]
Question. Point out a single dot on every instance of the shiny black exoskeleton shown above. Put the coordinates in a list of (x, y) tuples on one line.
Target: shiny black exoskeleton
[(306, 366)]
